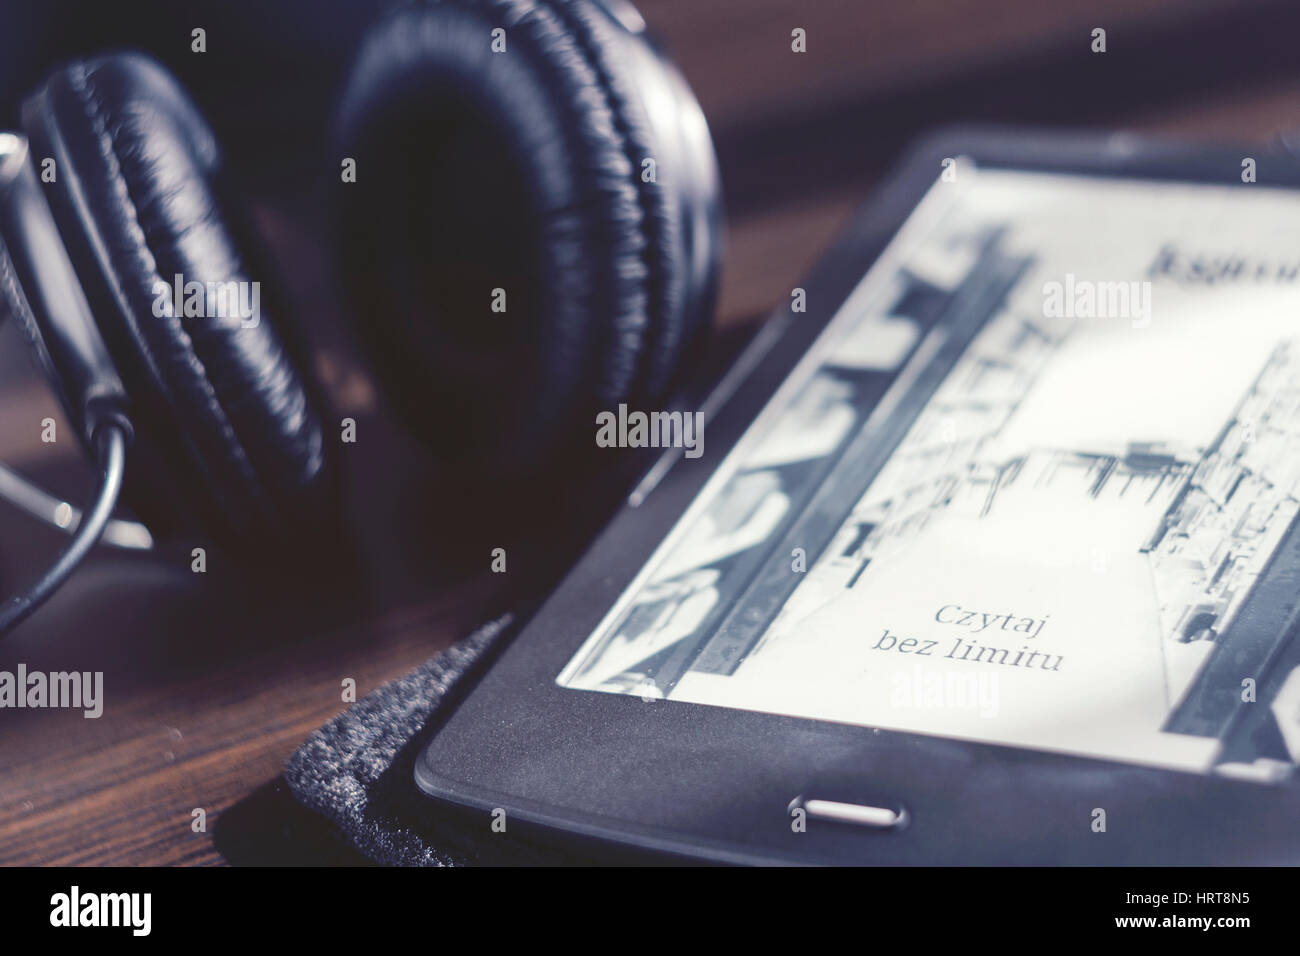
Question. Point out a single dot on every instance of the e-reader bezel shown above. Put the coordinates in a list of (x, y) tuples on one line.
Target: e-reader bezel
[(720, 784)]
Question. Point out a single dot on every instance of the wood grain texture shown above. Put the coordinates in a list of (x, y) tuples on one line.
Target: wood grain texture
[(209, 689), (738, 56)]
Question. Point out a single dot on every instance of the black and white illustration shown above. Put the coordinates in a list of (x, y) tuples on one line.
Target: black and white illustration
[(1072, 524)]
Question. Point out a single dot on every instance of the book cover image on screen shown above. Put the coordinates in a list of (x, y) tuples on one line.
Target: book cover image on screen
[(1077, 514)]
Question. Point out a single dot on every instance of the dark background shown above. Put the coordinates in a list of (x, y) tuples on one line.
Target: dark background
[(207, 689)]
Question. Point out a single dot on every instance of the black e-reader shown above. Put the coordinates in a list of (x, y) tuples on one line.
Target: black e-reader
[(991, 555)]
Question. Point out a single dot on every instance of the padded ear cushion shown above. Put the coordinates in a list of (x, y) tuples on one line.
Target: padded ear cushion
[(515, 169), (603, 42), (219, 400)]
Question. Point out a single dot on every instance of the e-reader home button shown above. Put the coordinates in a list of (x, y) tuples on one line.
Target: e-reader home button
[(873, 816)]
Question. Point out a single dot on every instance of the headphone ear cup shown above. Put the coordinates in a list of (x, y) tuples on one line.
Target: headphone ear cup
[(510, 267), (614, 55), (226, 417)]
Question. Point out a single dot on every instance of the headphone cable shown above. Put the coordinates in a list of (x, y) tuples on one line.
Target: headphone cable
[(112, 445)]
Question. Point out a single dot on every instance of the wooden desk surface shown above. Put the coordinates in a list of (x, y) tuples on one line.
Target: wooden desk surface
[(207, 693)]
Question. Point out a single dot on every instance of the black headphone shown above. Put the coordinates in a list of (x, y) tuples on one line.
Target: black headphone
[(540, 153)]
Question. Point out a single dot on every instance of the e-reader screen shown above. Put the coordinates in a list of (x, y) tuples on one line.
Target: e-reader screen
[(1067, 524)]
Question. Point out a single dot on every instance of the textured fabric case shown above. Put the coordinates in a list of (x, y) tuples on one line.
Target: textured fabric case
[(339, 770), (357, 770)]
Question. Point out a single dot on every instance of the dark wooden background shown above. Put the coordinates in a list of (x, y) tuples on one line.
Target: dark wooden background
[(208, 690)]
